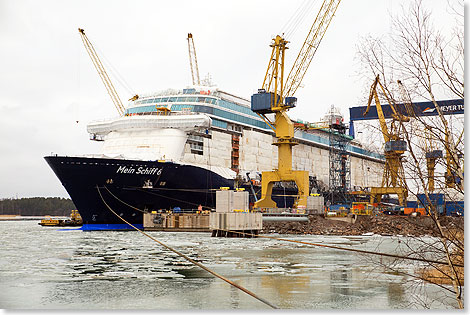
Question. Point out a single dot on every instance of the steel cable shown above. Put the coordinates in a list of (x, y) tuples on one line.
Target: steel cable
[(187, 258), (210, 190), (328, 246), (347, 249)]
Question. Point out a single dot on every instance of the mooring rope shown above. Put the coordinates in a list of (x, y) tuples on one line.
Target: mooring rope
[(130, 206), (186, 257), (346, 249), (169, 198), (322, 245), (202, 190)]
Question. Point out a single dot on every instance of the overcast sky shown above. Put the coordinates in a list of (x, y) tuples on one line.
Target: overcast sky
[(48, 83)]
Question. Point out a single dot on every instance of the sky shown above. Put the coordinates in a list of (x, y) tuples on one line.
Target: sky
[(49, 89)]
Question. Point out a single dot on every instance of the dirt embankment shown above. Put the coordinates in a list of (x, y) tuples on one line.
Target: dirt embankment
[(384, 225)]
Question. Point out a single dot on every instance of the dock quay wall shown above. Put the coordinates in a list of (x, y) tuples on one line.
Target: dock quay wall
[(385, 225), (176, 222), (236, 221)]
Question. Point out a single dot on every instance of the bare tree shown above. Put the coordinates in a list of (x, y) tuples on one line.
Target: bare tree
[(429, 65)]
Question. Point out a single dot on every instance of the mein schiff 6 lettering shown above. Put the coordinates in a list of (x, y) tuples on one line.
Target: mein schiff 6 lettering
[(138, 171)]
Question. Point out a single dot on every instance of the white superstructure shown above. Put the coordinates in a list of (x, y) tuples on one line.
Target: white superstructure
[(216, 130), (149, 137)]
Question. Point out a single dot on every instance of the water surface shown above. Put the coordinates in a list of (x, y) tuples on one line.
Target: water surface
[(47, 268)]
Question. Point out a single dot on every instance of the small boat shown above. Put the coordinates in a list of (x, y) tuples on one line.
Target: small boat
[(75, 220), (51, 222)]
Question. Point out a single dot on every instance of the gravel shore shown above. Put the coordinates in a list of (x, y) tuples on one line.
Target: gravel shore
[(383, 225)]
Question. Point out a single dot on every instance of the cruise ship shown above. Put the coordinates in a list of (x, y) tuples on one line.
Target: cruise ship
[(173, 150)]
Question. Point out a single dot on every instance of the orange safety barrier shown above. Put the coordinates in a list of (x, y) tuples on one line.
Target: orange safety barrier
[(409, 211)]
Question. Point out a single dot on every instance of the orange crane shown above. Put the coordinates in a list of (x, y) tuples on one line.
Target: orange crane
[(276, 97), (103, 75)]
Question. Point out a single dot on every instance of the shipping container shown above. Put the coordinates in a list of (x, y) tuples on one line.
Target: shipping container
[(455, 208), (437, 200)]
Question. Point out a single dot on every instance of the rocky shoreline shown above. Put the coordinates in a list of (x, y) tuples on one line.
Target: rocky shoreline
[(382, 225)]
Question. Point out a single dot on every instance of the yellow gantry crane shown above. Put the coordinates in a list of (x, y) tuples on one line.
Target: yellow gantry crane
[(393, 179), (432, 154), (193, 60), (454, 172), (276, 97), (427, 143), (103, 75)]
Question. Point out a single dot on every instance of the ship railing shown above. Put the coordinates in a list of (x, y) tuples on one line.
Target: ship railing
[(186, 91), (176, 113), (167, 92), (179, 113)]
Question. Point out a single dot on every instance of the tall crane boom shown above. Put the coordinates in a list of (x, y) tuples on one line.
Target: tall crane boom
[(193, 60), (454, 173), (102, 73), (276, 97), (393, 178), (396, 115), (310, 46)]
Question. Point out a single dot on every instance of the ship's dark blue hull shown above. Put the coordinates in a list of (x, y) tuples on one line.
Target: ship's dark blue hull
[(131, 188)]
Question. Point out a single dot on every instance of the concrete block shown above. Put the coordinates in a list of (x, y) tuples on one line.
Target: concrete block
[(235, 221), (315, 204), (224, 201), (241, 200)]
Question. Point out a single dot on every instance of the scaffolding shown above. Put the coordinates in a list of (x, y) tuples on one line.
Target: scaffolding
[(339, 159)]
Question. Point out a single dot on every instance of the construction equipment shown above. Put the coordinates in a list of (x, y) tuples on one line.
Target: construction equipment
[(432, 154), (134, 98), (393, 181), (362, 208), (193, 60), (410, 112), (276, 97), (427, 139), (454, 173), (102, 73)]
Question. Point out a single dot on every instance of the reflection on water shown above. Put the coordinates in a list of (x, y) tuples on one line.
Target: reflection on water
[(48, 268)]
